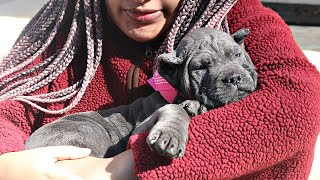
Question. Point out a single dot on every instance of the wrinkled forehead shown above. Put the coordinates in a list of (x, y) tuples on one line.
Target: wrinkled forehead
[(214, 44)]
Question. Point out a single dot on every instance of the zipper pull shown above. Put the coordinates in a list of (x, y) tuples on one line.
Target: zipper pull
[(148, 53)]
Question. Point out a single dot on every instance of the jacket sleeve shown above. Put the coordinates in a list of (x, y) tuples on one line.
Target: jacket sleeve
[(277, 122), (18, 120), (15, 124)]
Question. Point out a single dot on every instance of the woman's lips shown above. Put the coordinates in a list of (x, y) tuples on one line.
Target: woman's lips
[(144, 16)]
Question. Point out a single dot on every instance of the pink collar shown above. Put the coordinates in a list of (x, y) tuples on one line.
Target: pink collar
[(163, 86)]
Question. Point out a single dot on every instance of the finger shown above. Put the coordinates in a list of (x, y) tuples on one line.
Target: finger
[(66, 152), (61, 174), (71, 152)]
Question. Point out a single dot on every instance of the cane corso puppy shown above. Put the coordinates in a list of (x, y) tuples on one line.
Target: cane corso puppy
[(209, 68)]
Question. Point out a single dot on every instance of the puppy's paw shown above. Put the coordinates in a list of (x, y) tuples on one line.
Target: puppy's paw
[(168, 141), (193, 107)]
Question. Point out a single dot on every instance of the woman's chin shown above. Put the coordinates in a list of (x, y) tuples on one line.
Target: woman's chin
[(143, 36), (144, 33)]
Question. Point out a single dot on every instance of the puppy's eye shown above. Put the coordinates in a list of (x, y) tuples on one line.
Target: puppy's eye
[(201, 67), (238, 55)]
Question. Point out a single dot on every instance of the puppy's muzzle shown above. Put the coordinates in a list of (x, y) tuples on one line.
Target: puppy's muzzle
[(237, 77)]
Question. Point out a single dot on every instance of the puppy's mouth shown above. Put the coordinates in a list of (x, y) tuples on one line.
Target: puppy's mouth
[(222, 99), (223, 94)]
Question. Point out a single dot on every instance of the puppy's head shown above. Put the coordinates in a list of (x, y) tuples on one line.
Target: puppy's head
[(211, 67)]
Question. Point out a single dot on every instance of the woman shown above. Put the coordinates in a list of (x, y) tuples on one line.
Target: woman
[(93, 55)]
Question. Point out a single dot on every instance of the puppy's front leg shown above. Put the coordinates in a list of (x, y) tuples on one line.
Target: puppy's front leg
[(170, 133)]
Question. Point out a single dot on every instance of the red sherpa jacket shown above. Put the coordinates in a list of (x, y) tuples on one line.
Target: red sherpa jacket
[(270, 134)]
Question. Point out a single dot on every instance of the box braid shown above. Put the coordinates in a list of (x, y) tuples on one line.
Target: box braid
[(16, 81), (194, 14)]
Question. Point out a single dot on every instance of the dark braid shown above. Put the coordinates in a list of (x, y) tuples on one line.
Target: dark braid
[(17, 81)]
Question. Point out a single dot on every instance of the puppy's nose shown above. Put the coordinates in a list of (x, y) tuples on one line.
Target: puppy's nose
[(232, 79)]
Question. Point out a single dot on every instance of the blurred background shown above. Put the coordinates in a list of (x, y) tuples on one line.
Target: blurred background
[(302, 16)]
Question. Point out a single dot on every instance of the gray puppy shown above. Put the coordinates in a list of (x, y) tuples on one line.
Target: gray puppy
[(209, 67)]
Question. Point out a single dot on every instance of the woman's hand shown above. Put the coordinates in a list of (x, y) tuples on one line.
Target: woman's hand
[(119, 167), (40, 164)]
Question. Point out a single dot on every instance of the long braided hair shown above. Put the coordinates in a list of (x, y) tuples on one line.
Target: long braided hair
[(16, 81)]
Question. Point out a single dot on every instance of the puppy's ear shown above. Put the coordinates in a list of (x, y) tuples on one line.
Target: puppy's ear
[(169, 65), (240, 35), (170, 58)]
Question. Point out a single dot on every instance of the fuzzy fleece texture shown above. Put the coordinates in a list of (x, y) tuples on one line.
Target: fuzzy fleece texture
[(270, 134)]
